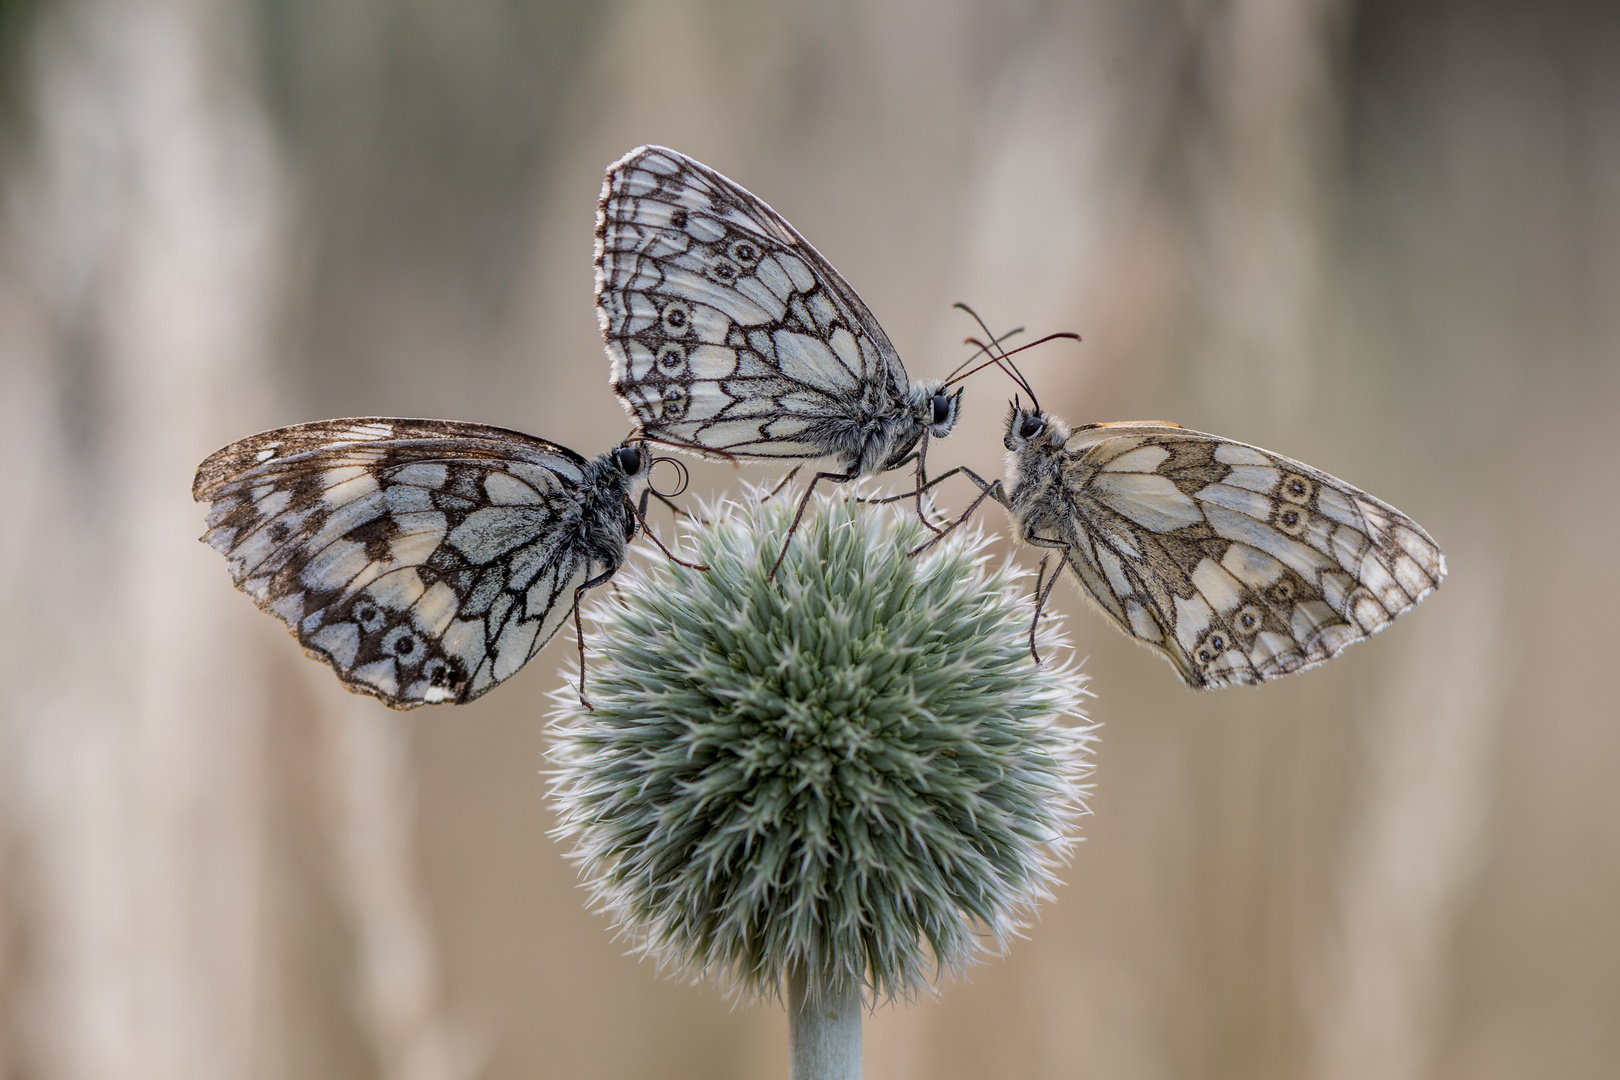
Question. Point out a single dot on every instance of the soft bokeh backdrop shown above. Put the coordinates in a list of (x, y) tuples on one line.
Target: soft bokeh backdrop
[(1380, 237)]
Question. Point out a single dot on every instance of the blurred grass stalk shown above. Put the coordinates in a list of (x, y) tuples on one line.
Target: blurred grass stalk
[(137, 254)]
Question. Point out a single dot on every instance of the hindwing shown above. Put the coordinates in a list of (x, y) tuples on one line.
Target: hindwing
[(1238, 564), (729, 333), (424, 560)]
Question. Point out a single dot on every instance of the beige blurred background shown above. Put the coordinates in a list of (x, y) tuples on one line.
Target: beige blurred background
[(1380, 237)]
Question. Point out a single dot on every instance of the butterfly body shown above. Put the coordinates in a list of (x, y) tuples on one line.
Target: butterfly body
[(732, 337), (424, 560), (887, 431), (1236, 564)]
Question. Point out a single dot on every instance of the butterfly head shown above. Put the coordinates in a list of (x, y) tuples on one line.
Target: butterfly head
[(622, 473), (635, 463), (938, 408), (1029, 430), (631, 460), (622, 482)]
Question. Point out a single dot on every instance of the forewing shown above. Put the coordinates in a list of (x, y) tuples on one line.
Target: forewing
[(1240, 565), (424, 560), (729, 333)]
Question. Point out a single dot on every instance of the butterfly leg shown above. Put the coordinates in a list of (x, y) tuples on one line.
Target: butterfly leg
[(579, 631), (922, 483), (920, 456), (1041, 595), (641, 516), (1040, 579), (673, 509), (987, 490), (941, 478), (907, 460), (837, 478), (786, 480)]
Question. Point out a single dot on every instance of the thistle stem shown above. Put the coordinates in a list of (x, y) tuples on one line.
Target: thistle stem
[(824, 1032)]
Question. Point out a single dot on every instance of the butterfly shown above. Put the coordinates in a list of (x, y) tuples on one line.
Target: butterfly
[(1235, 564), (425, 560), (731, 337)]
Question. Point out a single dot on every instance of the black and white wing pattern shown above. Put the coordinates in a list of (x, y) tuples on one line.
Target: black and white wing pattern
[(731, 336), (424, 560), (1237, 564)]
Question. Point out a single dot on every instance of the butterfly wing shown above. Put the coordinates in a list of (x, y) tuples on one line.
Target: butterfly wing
[(729, 334), (1238, 564), (424, 560)]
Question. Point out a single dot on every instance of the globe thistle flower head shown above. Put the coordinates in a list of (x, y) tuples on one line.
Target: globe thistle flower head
[(854, 771)]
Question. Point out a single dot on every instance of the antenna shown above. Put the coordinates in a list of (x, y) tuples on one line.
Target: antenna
[(1001, 357), (952, 376), (998, 361), (1018, 378)]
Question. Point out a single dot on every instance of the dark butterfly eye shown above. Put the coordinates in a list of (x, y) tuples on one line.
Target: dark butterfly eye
[(1031, 426), (628, 458), (942, 409)]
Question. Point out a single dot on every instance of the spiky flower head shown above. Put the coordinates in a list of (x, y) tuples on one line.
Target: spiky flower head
[(854, 771)]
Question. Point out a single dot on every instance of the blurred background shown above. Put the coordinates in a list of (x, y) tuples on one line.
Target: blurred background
[(1380, 237)]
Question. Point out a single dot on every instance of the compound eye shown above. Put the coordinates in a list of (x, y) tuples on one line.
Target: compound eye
[(1031, 426), (628, 458), (942, 409)]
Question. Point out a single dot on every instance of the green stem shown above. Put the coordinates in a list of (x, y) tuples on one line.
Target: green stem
[(824, 1032)]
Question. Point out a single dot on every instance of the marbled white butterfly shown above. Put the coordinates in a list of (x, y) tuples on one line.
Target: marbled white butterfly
[(424, 560), (1236, 564), (732, 337)]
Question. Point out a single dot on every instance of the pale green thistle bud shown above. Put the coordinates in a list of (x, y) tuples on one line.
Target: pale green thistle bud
[(853, 774)]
